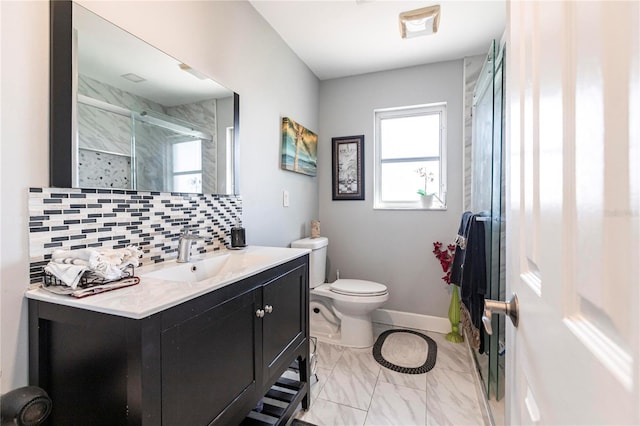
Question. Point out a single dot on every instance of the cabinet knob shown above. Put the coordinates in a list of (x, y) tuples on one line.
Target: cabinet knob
[(260, 313), (268, 309)]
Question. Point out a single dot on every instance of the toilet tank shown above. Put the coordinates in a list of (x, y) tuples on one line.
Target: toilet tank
[(317, 258)]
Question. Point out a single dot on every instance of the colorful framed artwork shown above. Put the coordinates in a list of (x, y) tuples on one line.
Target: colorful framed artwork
[(348, 168), (299, 148)]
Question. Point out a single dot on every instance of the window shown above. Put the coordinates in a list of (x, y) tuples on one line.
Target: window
[(187, 166), (410, 161)]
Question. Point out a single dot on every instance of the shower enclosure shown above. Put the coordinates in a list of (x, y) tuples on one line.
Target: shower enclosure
[(487, 197), (142, 150)]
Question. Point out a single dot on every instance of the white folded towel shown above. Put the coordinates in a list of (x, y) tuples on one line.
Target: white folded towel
[(89, 255), (105, 263), (72, 261), (125, 256), (108, 271), (67, 273)]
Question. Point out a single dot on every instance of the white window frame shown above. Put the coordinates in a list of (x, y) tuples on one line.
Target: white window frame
[(173, 173), (407, 111)]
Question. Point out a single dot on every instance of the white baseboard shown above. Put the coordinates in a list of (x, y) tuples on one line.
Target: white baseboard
[(411, 320)]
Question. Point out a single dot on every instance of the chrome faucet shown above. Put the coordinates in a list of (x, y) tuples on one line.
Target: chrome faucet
[(184, 245)]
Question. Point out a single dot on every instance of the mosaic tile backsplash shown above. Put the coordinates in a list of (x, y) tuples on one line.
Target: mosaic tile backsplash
[(68, 219)]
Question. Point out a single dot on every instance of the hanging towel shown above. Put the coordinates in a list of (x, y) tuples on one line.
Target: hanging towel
[(473, 333), (461, 245), (473, 283), (469, 271)]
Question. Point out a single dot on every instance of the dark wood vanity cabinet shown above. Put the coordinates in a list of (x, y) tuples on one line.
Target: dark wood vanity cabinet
[(206, 361), (285, 321), (209, 362)]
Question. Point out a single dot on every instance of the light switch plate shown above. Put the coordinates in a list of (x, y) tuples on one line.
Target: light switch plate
[(285, 198)]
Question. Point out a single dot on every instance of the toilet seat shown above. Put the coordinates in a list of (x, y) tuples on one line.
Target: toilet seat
[(353, 311), (360, 288)]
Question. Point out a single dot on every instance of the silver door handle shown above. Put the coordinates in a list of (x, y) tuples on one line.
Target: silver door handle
[(509, 308), (260, 313), (268, 309)]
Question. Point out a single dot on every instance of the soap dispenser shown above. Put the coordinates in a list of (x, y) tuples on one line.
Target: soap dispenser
[(238, 235)]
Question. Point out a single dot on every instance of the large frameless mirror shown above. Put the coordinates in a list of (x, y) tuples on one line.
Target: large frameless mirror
[(125, 115)]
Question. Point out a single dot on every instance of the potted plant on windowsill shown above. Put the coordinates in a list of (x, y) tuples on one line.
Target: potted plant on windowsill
[(445, 256), (427, 198)]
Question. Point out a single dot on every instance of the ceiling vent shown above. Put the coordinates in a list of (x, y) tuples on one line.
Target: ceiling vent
[(420, 22), (133, 77)]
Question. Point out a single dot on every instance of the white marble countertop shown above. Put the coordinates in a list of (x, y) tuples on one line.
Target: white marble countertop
[(153, 295)]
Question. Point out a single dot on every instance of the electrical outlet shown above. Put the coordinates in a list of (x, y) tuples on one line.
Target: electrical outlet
[(285, 198)]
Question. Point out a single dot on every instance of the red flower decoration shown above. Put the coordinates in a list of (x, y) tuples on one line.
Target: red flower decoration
[(445, 256)]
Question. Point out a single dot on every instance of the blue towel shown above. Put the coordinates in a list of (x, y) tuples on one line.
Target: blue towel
[(469, 269), (461, 245)]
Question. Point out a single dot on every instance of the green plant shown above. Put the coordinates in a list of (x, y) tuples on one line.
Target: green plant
[(428, 177)]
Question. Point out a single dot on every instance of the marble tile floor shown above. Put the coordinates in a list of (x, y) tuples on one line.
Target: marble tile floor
[(353, 389)]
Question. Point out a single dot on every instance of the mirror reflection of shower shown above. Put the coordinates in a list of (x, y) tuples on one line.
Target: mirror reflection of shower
[(116, 78), (146, 150)]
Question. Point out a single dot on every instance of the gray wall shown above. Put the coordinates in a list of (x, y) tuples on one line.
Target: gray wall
[(392, 247), (228, 41)]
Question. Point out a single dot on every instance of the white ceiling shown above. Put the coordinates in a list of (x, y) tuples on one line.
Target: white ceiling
[(338, 38), (335, 38)]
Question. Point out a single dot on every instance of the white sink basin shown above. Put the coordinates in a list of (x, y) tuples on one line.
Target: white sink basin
[(221, 265)]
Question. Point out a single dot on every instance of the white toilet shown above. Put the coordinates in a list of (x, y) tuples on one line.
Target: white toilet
[(340, 312)]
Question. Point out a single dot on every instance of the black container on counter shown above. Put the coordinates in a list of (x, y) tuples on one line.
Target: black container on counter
[(238, 238)]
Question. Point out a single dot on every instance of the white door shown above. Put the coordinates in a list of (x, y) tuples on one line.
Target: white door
[(573, 212)]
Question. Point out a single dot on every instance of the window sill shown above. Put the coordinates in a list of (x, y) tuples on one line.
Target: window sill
[(430, 202), (413, 206)]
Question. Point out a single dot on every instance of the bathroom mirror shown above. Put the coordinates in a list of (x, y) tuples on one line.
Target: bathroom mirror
[(125, 115)]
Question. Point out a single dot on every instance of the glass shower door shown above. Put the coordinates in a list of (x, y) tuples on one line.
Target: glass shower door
[(488, 199), (169, 155), (498, 234)]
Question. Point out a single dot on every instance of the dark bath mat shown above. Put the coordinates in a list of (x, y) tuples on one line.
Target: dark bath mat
[(408, 362)]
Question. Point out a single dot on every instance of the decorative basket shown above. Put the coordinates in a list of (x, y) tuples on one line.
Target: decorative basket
[(88, 279)]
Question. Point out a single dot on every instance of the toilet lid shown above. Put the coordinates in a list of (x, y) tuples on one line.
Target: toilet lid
[(358, 288)]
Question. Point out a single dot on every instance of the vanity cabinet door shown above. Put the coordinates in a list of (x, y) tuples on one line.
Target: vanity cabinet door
[(285, 321), (210, 364)]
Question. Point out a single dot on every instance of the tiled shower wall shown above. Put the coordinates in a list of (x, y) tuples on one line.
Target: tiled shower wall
[(472, 68), (70, 219)]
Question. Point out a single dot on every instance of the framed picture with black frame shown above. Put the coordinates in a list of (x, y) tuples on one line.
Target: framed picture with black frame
[(348, 168)]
